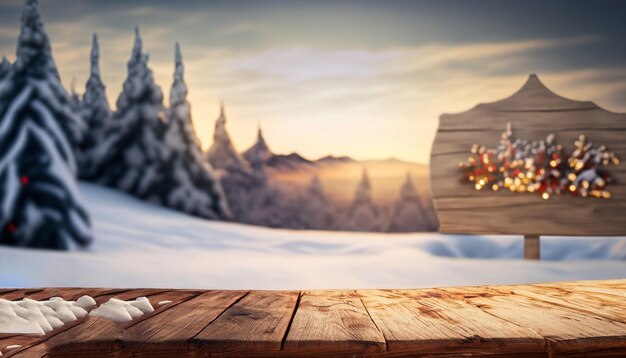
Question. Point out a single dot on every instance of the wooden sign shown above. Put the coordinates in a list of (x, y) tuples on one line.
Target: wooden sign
[(534, 112)]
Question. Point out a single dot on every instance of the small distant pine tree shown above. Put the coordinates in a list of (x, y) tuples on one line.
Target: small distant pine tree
[(409, 213), (316, 211), (40, 205), (363, 215), (222, 154), (259, 153)]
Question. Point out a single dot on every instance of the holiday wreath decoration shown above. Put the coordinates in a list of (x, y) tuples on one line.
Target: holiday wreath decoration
[(541, 167)]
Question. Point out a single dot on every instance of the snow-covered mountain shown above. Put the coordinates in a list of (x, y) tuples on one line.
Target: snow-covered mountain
[(260, 155), (287, 161), (331, 159)]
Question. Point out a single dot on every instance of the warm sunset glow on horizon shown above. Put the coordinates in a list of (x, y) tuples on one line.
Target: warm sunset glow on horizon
[(363, 79)]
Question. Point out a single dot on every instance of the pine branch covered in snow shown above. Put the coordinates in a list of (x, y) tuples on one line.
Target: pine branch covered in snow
[(96, 112), (40, 205)]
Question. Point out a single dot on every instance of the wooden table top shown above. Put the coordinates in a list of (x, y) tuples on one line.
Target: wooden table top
[(578, 319)]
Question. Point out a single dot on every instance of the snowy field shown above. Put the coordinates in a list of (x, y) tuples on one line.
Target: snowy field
[(140, 245)]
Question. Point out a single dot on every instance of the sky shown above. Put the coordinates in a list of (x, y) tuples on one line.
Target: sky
[(362, 78)]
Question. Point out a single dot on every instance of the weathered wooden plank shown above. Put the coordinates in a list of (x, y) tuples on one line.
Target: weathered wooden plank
[(6, 291), (423, 321), (255, 325), (173, 329), (566, 330), (71, 293), (7, 340), (456, 142), (20, 293), (618, 293), (85, 340), (489, 119), (68, 333), (332, 323), (607, 306), (553, 218)]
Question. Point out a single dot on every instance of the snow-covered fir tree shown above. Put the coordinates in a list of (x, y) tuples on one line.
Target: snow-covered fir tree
[(316, 211), (245, 188), (133, 145), (75, 101), (155, 159), (40, 205), (5, 67), (259, 153), (96, 113), (363, 215), (408, 213), (222, 154), (191, 185)]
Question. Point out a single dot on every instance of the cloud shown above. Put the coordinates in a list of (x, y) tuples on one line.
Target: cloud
[(360, 100)]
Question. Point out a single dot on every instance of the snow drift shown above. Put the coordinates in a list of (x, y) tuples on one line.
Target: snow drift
[(141, 245)]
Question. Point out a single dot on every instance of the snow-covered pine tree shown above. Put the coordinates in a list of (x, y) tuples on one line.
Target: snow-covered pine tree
[(5, 67), (363, 215), (75, 101), (243, 186), (409, 214), (259, 153), (222, 154), (191, 185), (96, 114), (316, 212), (133, 145), (40, 205)]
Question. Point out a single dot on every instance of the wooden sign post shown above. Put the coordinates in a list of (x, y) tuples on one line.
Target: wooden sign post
[(533, 113)]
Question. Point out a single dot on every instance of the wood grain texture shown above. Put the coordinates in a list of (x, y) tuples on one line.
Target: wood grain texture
[(563, 319), (23, 340), (255, 325), (94, 336), (74, 334), (534, 112), (333, 323), (175, 327), (607, 306), (422, 321), (565, 329)]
